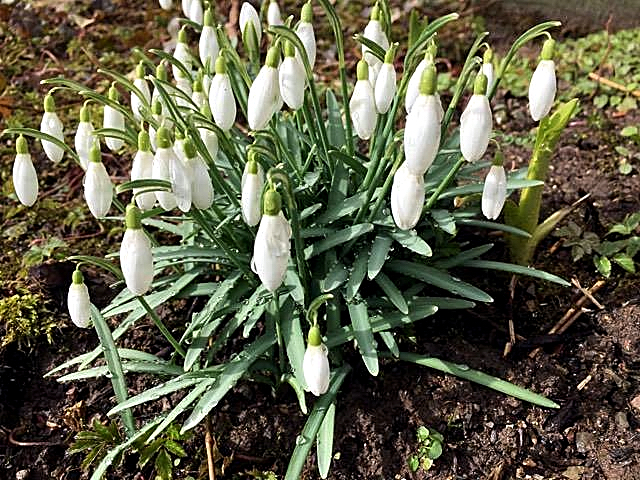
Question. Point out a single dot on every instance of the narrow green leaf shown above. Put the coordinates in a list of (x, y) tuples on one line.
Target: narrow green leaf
[(324, 441), (364, 336), (512, 184), (412, 241), (378, 255), (342, 208), (335, 239), (394, 294), (518, 269), (450, 262), (163, 368), (471, 222), (358, 272), (293, 338), (463, 371), (335, 128), (163, 464), (390, 342), (354, 163), (149, 183), (336, 277), (98, 262)]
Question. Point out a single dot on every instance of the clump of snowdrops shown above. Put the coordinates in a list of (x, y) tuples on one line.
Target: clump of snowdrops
[(304, 221)]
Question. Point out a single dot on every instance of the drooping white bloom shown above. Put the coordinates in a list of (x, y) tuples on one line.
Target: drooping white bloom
[(84, 138), (291, 78), (542, 89), (374, 32), (221, 99), (186, 6), (422, 129), (248, 14), (251, 191), (183, 91), (373, 73), (264, 95), (113, 119), (305, 32), (413, 88), (25, 180), (160, 169), (51, 125), (98, 189), (78, 301), (487, 70), (166, 4), (385, 89), (179, 175), (363, 104), (494, 192), (142, 168), (407, 197), (201, 186), (272, 246), (315, 363), (273, 13), (138, 102), (210, 140), (208, 47), (197, 95), (476, 122), (182, 55), (195, 11), (136, 260), (162, 75)]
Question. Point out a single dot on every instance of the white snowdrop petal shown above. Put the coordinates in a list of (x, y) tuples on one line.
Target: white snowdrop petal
[(476, 123), (181, 180), (113, 119), (83, 142), (316, 369), (160, 171), (407, 198), (422, 134), (413, 88), (222, 102), (79, 305), (98, 189), (210, 140), (308, 38), (487, 70), (25, 179), (272, 250), (542, 89), (142, 168), (248, 14), (273, 14), (363, 109), (136, 102), (136, 261), (196, 12), (52, 125), (186, 6), (373, 31), (208, 47), (291, 80), (264, 98), (494, 192), (251, 192), (385, 89), (166, 4), (201, 186)]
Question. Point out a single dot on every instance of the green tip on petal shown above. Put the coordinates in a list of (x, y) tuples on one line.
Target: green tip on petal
[(480, 85), (140, 70), (163, 138), (429, 80), (161, 72), (113, 93), (22, 146), (273, 57), (315, 337), (289, 49), (362, 70), (272, 203), (178, 134), (95, 155), (189, 148), (144, 142), (498, 160), (197, 85), (208, 17), (390, 55), (156, 108), (548, 49), (488, 56), (205, 110), (306, 15), (375, 13), (432, 50), (221, 65), (77, 278), (49, 103), (182, 35), (252, 167), (133, 217), (85, 114)]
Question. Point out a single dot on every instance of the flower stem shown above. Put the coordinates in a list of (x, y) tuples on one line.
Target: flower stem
[(444, 183), (161, 326)]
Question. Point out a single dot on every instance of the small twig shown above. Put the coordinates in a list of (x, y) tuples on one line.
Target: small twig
[(512, 329), (587, 293), (19, 443), (612, 84), (209, 443)]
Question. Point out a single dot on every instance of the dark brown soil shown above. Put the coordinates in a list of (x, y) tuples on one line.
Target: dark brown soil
[(592, 371)]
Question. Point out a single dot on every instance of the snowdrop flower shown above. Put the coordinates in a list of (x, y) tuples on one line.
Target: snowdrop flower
[(78, 301), (542, 89), (291, 78), (84, 136), (182, 55), (305, 32), (208, 44), (385, 89), (251, 188), (113, 119), (201, 186), (183, 91), (374, 32), (179, 174), (161, 74), (422, 130), (160, 169), (264, 95), (195, 11), (494, 192), (98, 189), (487, 68), (272, 246), (315, 363), (250, 28), (166, 4), (186, 7), (141, 84), (156, 111), (273, 13), (197, 95), (25, 180), (51, 125), (407, 197), (208, 137), (413, 88), (142, 168), (136, 260), (476, 122), (362, 103), (221, 99)]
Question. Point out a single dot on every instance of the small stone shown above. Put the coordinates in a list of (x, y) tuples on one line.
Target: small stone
[(635, 403), (584, 441), (22, 474), (621, 420), (574, 472)]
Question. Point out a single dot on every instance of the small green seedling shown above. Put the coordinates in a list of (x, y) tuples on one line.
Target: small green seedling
[(429, 449)]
